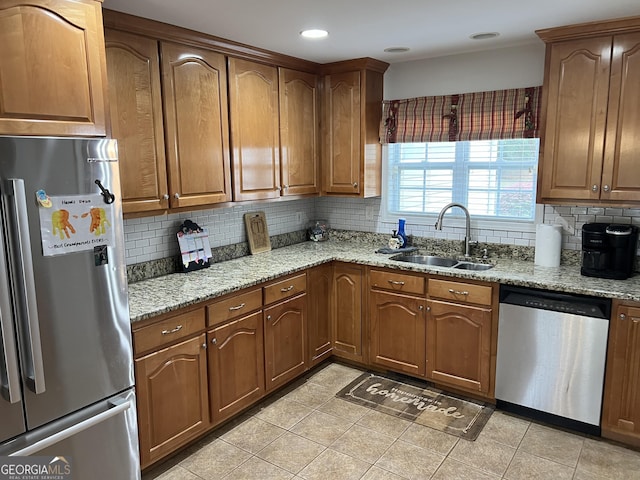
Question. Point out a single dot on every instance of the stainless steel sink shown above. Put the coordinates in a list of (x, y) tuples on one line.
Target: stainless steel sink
[(426, 260), (437, 261), (472, 266)]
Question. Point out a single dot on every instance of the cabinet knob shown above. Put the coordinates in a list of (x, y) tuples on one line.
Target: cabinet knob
[(594, 188), (606, 188), (165, 196), (204, 345), (214, 341), (428, 309), (176, 195), (421, 307), (355, 184), (279, 188), (622, 316), (268, 317)]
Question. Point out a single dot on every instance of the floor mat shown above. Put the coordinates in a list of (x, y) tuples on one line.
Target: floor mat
[(422, 404)]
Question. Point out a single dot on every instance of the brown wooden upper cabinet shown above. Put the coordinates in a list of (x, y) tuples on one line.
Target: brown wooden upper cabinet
[(299, 117), (193, 130), (590, 114), (53, 69), (135, 100), (196, 125), (253, 105), (352, 159)]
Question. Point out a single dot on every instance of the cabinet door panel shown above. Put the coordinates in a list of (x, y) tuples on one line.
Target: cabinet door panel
[(621, 407), (398, 332), (196, 124), (343, 152), (319, 280), (253, 97), (172, 398), (621, 172), (347, 312), (576, 95), (285, 341), (459, 345), (236, 366), (52, 68), (135, 101), (299, 131)]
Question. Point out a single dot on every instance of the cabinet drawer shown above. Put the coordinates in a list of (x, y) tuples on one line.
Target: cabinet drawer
[(285, 288), (397, 282), (234, 306), (460, 292), (168, 330)]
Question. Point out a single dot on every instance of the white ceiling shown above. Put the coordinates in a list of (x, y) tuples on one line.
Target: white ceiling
[(364, 28)]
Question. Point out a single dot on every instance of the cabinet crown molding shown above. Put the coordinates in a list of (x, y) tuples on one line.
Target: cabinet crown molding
[(589, 29)]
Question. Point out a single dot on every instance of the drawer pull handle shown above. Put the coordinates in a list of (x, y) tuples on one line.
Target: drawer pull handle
[(288, 289), (458, 292), (394, 282), (173, 330), (237, 307)]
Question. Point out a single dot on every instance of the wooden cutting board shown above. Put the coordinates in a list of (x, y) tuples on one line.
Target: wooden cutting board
[(257, 232)]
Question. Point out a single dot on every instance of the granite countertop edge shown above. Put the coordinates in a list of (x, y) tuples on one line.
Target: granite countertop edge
[(149, 298)]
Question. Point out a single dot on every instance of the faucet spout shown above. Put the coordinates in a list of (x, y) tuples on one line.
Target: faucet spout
[(467, 236)]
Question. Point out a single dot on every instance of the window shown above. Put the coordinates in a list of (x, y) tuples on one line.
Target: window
[(495, 179)]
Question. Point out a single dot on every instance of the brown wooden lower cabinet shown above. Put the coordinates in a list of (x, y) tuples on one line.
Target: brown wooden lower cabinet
[(236, 366), (285, 341), (398, 332), (346, 306), (172, 395), (459, 345), (621, 406), (319, 281)]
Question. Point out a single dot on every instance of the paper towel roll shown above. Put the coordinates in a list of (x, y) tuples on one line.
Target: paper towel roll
[(548, 245)]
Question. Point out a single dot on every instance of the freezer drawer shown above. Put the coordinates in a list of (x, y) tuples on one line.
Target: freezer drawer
[(99, 442)]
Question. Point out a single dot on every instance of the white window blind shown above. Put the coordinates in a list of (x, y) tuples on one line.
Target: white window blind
[(495, 179)]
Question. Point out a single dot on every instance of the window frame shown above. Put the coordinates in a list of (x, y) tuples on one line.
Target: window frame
[(454, 219)]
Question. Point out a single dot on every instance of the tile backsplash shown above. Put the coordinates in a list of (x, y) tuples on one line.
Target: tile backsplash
[(154, 238)]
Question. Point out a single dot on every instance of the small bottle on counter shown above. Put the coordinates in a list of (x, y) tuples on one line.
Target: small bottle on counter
[(395, 241)]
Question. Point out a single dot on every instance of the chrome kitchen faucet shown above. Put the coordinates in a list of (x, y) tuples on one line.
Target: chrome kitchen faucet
[(467, 236)]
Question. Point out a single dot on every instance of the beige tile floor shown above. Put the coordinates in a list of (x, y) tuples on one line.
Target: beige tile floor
[(307, 433)]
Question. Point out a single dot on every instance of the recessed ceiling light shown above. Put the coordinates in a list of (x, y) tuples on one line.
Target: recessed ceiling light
[(483, 36), (314, 33), (396, 49)]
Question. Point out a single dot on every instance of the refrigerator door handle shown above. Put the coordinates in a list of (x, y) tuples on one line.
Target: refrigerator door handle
[(10, 387), (31, 326), (74, 429)]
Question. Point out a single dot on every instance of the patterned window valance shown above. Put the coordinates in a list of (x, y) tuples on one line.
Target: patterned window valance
[(494, 115)]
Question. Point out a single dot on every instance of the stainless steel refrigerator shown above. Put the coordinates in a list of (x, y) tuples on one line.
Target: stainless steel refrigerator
[(66, 364)]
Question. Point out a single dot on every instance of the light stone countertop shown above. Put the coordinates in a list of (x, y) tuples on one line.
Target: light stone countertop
[(171, 292)]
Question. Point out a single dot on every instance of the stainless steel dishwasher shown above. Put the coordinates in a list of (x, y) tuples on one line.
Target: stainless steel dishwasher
[(551, 356)]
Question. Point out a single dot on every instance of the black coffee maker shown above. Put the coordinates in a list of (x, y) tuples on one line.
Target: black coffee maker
[(608, 250)]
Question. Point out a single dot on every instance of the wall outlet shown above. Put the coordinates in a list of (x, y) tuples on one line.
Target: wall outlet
[(299, 217)]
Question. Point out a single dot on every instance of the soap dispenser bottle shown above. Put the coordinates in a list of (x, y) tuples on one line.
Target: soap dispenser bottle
[(395, 241), (401, 223)]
